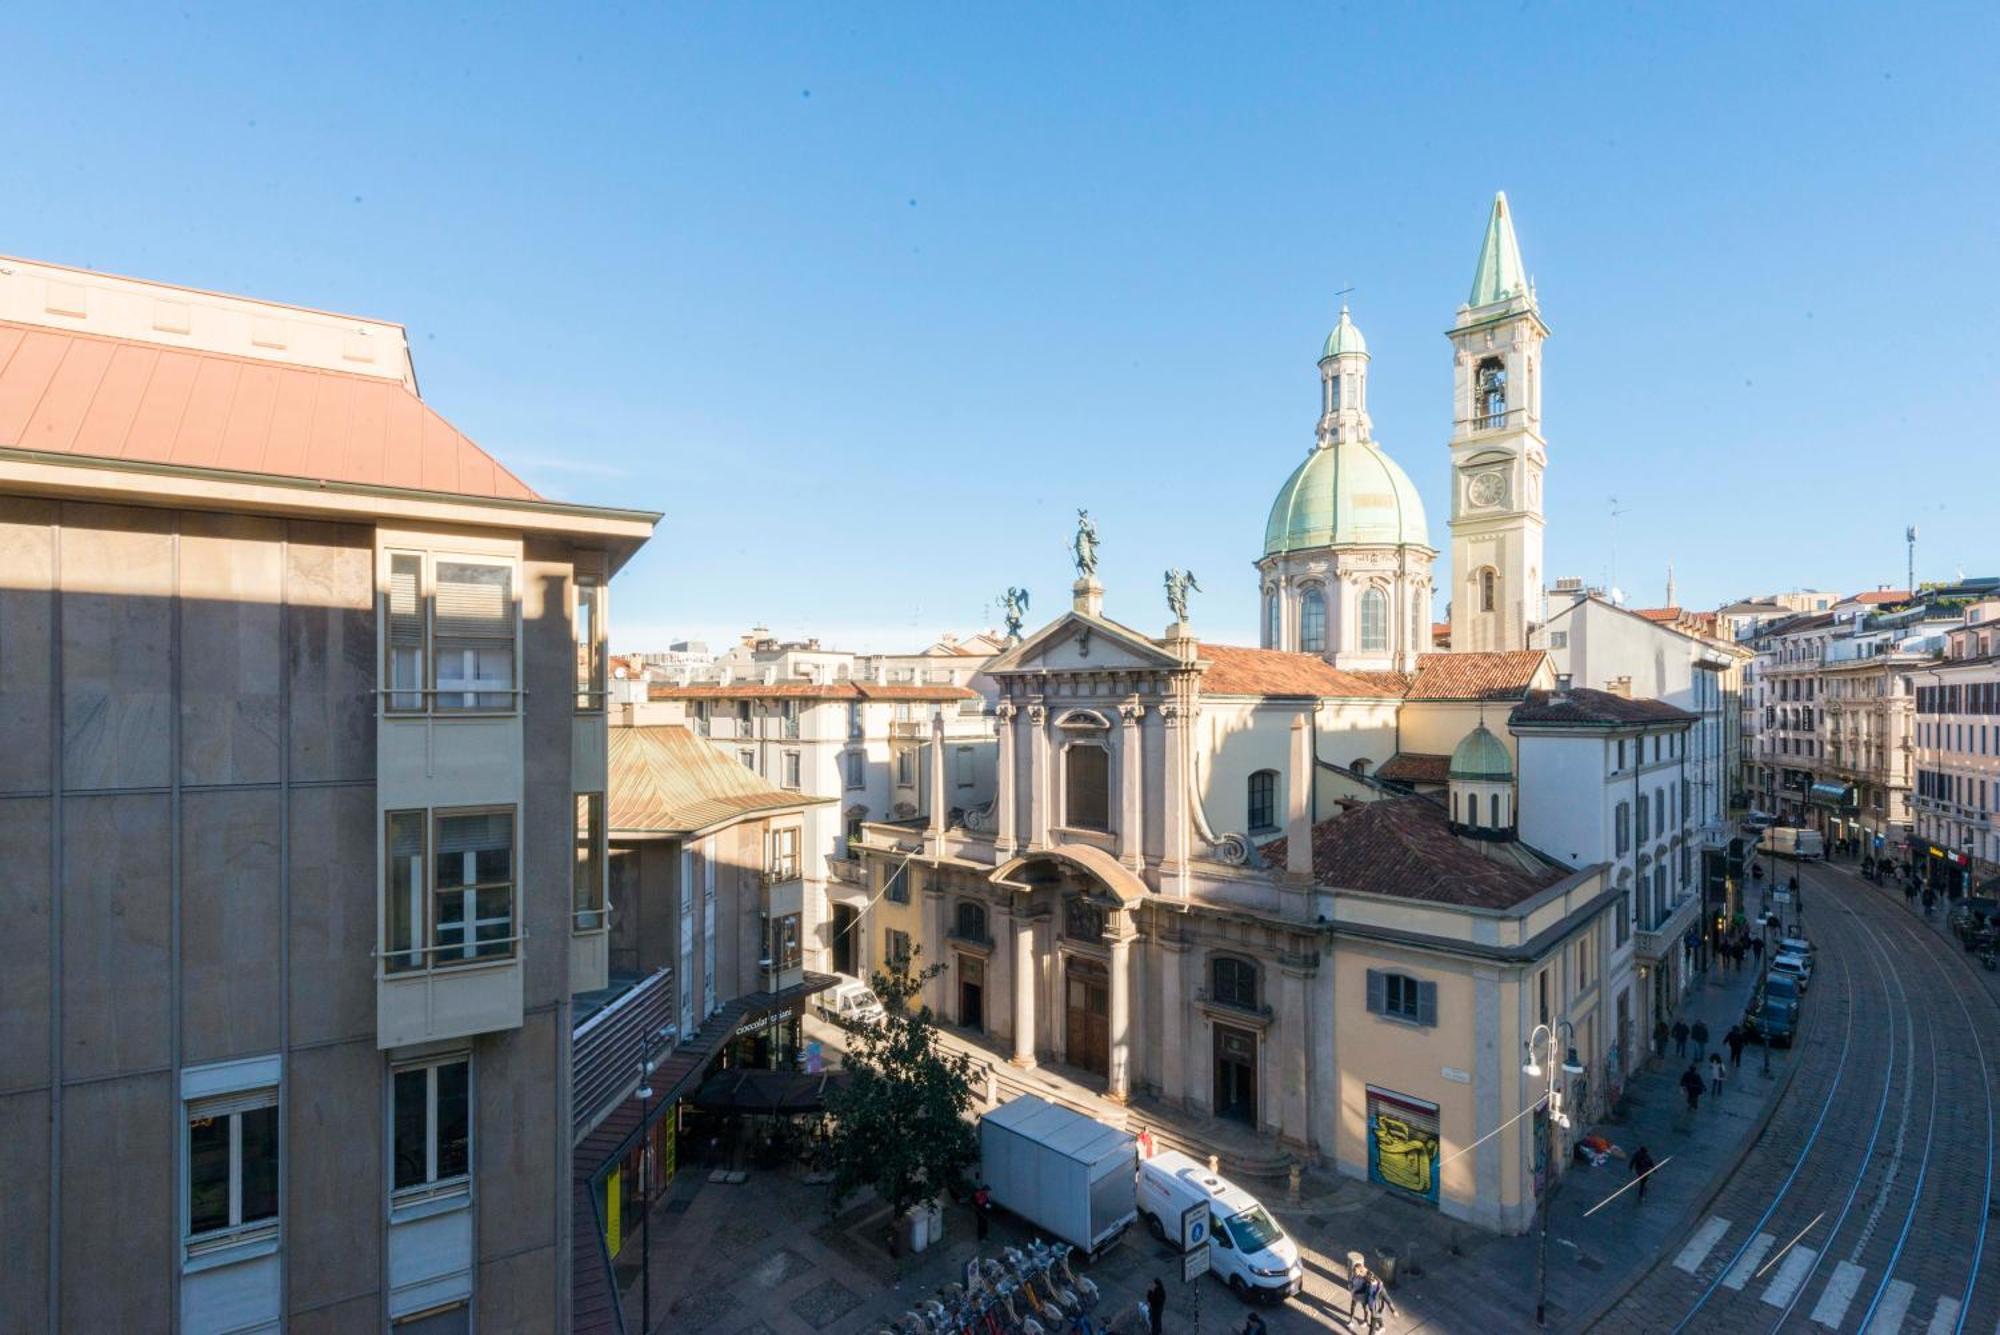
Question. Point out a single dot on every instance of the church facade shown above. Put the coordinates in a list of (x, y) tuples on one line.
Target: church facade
[(1195, 890)]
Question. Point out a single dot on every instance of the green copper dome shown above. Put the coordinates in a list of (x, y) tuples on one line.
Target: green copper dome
[(1481, 756), (1345, 338), (1348, 494)]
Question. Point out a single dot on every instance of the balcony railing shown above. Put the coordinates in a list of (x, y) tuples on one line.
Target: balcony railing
[(606, 1048)]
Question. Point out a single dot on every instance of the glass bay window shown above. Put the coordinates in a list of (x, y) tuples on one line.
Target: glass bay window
[(473, 889), (450, 640)]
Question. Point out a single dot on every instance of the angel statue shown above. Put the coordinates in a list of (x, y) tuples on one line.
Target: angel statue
[(1015, 602), (1179, 582), (1085, 545)]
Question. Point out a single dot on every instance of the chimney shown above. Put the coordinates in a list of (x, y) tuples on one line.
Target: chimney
[(1563, 681), (1298, 826)]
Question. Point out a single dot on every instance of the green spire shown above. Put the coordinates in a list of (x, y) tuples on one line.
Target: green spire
[(1499, 276)]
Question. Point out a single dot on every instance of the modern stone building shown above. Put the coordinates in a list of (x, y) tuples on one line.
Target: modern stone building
[(302, 780)]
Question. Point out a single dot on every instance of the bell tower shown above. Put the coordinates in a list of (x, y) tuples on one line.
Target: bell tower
[(1497, 452)]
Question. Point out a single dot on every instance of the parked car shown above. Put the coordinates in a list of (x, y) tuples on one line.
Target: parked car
[(1798, 945), (849, 1003), (1756, 822), (1781, 986), (1246, 1248), (1796, 967), (1774, 1021)]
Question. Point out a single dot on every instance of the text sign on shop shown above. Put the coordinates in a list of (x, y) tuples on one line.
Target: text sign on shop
[(1195, 1264)]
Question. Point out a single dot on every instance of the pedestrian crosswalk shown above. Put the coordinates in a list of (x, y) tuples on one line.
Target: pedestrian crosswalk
[(1782, 1277)]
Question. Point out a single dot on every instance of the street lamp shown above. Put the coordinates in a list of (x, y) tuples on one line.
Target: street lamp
[(644, 1093), (1552, 1097)]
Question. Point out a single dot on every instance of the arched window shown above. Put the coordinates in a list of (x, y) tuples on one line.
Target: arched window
[(1489, 589), (1264, 800), (1490, 393), (1271, 622), (971, 923), (1333, 393), (1312, 622), (1233, 982), (1374, 620), (1493, 808)]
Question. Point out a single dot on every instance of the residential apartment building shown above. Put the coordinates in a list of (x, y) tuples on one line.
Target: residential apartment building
[(302, 784), (1957, 735)]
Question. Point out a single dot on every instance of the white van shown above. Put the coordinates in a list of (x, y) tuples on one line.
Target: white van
[(1788, 842), (1246, 1248)]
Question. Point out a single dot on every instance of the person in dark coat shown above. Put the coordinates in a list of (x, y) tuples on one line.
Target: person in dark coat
[(1700, 1036), (1642, 1169), (1660, 1037), (1680, 1038), (1156, 1305), (1380, 1305), (1757, 949), (1734, 1040), (1691, 1085), (982, 1206)]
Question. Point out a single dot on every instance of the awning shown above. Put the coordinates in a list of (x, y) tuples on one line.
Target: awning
[(1831, 794), (776, 1093)]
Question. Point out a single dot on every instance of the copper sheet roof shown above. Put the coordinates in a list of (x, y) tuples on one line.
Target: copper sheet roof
[(809, 690), (1603, 708), (1415, 767), (1404, 846), (1476, 676), (1238, 671), (66, 392), (665, 780)]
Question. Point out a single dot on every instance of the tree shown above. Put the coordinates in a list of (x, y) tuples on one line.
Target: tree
[(900, 1123)]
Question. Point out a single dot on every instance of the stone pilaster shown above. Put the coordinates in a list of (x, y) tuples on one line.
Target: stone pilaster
[(1118, 934), (1131, 787), (1025, 976), (1005, 838), (1041, 787)]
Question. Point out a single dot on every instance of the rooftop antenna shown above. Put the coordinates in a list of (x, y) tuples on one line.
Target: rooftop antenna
[(1611, 580), (1670, 585), (1910, 570)]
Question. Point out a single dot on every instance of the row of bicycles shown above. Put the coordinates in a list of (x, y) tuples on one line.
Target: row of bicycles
[(1031, 1292)]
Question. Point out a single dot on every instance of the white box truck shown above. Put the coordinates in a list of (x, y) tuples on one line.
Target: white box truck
[(1059, 1170), (1787, 842)]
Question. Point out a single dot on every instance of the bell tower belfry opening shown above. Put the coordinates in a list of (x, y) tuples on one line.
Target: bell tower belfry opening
[(1497, 452)]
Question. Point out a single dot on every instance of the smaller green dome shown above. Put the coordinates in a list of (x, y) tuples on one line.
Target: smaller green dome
[(1481, 757), (1344, 339)]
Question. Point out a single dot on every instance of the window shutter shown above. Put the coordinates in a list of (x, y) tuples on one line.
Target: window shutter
[(221, 1105), (475, 600), (406, 607), (1427, 1003), (1378, 986), (478, 832)]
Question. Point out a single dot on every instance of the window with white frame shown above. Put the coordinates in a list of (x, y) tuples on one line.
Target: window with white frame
[(749, 759), (962, 767), (1374, 620), (430, 1128), (589, 626), (1312, 621), (791, 769), (855, 765), (231, 1144), (588, 890), (784, 863), (906, 768), (471, 633), (463, 912)]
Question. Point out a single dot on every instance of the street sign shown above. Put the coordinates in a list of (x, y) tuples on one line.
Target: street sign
[(1781, 896), (1194, 1227), (1195, 1264)]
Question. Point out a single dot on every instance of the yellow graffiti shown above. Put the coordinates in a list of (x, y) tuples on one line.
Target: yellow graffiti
[(1404, 1155)]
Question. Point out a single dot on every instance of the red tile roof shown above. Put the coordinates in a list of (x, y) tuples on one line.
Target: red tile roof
[(67, 392), (1404, 846), (1476, 676), (1415, 767), (1669, 614), (1879, 596), (1273, 672), (808, 690)]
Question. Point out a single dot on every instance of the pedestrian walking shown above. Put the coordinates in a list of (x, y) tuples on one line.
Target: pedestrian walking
[(1690, 1085), (1700, 1036), (1715, 1073), (1156, 1305), (1680, 1038), (1757, 949), (1733, 1040), (1660, 1037), (1357, 1289), (1642, 1170), (982, 1206), (1380, 1305)]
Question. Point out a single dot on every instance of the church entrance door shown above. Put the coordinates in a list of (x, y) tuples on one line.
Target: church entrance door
[(972, 992), (1235, 1074), (1087, 1027)]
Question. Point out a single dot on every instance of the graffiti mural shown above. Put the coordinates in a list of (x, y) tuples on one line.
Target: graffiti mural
[(1403, 1143)]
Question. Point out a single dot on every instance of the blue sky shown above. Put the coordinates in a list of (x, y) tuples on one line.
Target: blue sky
[(868, 299)]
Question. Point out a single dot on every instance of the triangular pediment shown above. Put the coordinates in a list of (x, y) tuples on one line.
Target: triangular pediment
[(1075, 642)]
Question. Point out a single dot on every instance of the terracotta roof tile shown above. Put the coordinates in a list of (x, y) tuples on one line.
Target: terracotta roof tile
[(1404, 846), (1668, 614), (1268, 672), (1879, 596), (67, 392), (1415, 767), (1584, 705), (808, 690), (1476, 676), (665, 780)]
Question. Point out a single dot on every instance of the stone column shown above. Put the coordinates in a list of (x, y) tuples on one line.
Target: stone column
[(1004, 836), (1024, 988), (1174, 1031), (938, 791), (1118, 934), (1131, 787), (1039, 787), (1175, 809), (939, 985), (1290, 1032)]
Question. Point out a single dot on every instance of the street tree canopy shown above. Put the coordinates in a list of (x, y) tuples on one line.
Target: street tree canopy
[(900, 1124)]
